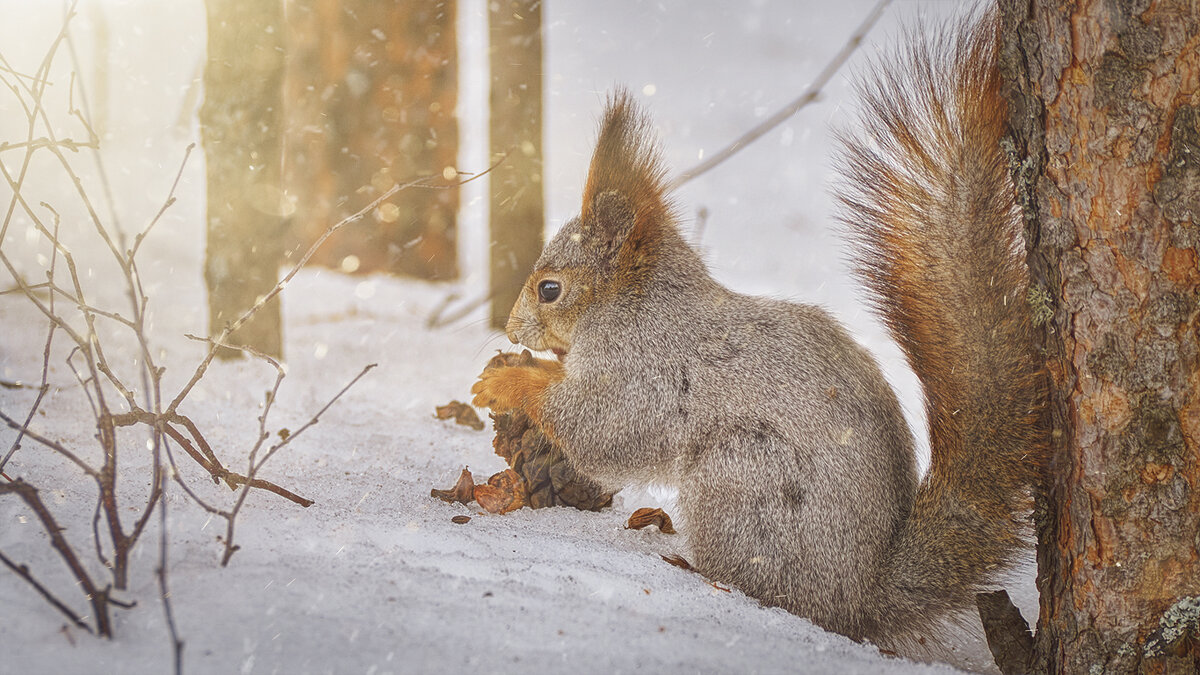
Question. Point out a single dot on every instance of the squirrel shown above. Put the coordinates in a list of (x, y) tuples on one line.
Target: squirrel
[(795, 468)]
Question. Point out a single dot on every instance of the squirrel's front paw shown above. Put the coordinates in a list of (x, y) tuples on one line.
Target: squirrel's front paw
[(508, 388), (495, 390)]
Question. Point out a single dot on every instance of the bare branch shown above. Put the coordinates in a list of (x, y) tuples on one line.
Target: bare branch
[(5, 68), (68, 143), (443, 316), (35, 87), (221, 339), (137, 241), (230, 548), (69, 313), (23, 572), (97, 596), (23, 429), (236, 479), (16, 444), (810, 94), (196, 499), (317, 417), (218, 472), (84, 117), (164, 590)]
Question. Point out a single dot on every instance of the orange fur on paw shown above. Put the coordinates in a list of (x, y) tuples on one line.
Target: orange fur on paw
[(508, 388)]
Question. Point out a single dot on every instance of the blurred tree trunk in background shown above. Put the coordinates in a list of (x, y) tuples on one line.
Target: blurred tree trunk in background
[(517, 209), (371, 95), (1106, 114), (240, 122)]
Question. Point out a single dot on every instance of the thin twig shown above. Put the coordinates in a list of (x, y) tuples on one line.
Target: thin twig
[(16, 444), (84, 117), (83, 382), (23, 572), (177, 477), (37, 86), (137, 241), (87, 361), (35, 89), (97, 596), (68, 143), (45, 386), (230, 548), (53, 445), (234, 480), (163, 588), (205, 448), (810, 94), (230, 522), (156, 490), (187, 446), (204, 456), (89, 345), (262, 301), (317, 417), (5, 68), (442, 315), (218, 472), (122, 543)]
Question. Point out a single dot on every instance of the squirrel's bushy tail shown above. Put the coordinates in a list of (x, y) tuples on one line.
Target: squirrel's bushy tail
[(930, 206)]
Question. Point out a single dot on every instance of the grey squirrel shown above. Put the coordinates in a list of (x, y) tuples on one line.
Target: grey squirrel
[(795, 467)]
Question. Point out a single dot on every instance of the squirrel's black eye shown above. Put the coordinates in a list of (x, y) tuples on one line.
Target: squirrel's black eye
[(549, 290)]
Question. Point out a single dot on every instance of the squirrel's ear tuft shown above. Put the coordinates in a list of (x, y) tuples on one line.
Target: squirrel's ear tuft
[(626, 162)]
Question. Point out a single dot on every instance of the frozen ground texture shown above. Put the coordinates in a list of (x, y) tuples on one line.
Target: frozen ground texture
[(375, 577)]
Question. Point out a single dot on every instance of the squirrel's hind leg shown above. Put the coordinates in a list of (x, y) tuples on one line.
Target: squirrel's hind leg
[(769, 532)]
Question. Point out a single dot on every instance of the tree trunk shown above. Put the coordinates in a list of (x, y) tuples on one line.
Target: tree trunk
[(517, 209), (372, 88), (1106, 115), (240, 121)]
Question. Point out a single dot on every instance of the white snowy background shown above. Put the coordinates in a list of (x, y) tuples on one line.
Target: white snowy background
[(375, 578)]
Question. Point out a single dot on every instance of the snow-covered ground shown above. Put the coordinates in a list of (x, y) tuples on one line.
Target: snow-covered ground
[(375, 577)]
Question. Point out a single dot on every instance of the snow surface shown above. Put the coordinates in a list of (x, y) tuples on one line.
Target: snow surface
[(375, 577)]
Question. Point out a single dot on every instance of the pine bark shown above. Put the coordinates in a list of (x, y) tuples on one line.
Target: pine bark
[(1106, 117), (515, 131), (240, 123)]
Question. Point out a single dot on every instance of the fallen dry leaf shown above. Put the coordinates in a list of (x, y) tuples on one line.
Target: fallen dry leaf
[(504, 492), (677, 561), (461, 413), (460, 520), (490, 498), (462, 492), (647, 516)]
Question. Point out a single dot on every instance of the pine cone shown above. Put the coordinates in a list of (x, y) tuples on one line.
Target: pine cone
[(550, 480)]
